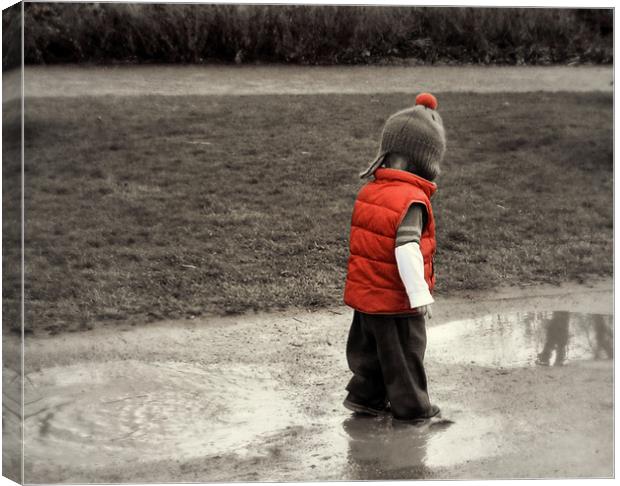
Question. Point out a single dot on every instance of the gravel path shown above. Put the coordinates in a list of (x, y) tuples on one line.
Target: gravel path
[(75, 80)]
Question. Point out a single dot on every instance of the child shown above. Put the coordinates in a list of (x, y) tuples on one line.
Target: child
[(390, 273)]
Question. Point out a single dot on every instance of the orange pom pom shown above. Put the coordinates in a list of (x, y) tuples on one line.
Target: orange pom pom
[(427, 100)]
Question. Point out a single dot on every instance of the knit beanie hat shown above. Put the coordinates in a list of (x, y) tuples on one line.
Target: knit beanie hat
[(416, 133)]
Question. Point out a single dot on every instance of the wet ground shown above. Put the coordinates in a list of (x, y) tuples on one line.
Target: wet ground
[(74, 80), (259, 397)]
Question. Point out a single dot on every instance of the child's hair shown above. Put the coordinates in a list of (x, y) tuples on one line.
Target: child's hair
[(395, 160)]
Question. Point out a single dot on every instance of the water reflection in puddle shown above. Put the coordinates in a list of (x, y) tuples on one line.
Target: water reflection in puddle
[(133, 411), (522, 339), (381, 449)]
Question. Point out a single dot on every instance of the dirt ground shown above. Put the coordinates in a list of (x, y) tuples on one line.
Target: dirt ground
[(258, 398), (239, 80)]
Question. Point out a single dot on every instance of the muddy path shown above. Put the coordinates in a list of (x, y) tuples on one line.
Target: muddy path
[(75, 80), (258, 397)]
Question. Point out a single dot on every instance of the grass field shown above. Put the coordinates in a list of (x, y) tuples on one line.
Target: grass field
[(143, 208)]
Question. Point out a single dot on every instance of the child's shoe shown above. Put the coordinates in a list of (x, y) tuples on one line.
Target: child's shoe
[(542, 360), (434, 411), (355, 404)]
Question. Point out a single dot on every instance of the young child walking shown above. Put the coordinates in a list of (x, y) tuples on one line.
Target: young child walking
[(390, 274)]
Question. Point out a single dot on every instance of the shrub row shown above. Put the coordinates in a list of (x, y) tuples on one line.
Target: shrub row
[(175, 33)]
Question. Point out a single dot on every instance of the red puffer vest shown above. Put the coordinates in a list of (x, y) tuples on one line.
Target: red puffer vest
[(373, 283)]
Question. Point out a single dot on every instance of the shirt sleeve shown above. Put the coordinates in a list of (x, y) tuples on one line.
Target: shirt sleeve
[(411, 269), (410, 229), (409, 257)]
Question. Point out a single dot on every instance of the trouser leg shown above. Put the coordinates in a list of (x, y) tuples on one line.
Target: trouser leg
[(401, 345), (560, 354), (545, 354), (367, 381)]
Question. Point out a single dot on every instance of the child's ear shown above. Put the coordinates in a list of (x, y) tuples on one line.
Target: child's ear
[(372, 167)]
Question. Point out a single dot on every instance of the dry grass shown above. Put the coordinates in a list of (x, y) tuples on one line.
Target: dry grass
[(153, 207)]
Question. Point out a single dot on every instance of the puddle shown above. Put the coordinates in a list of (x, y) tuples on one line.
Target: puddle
[(11, 423), (517, 340), (124, 411), (126, 415), (381, 449)]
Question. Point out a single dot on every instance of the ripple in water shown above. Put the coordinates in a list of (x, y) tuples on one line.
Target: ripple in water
[(112, 411)]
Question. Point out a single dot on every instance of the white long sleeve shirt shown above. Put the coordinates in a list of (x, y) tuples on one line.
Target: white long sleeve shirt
[(409, 257)]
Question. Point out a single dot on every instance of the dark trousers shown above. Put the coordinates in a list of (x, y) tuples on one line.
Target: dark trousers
[(386, 355)]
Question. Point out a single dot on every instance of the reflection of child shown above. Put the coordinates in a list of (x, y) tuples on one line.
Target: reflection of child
[(556, 339), (604, 338), (390, 271)]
